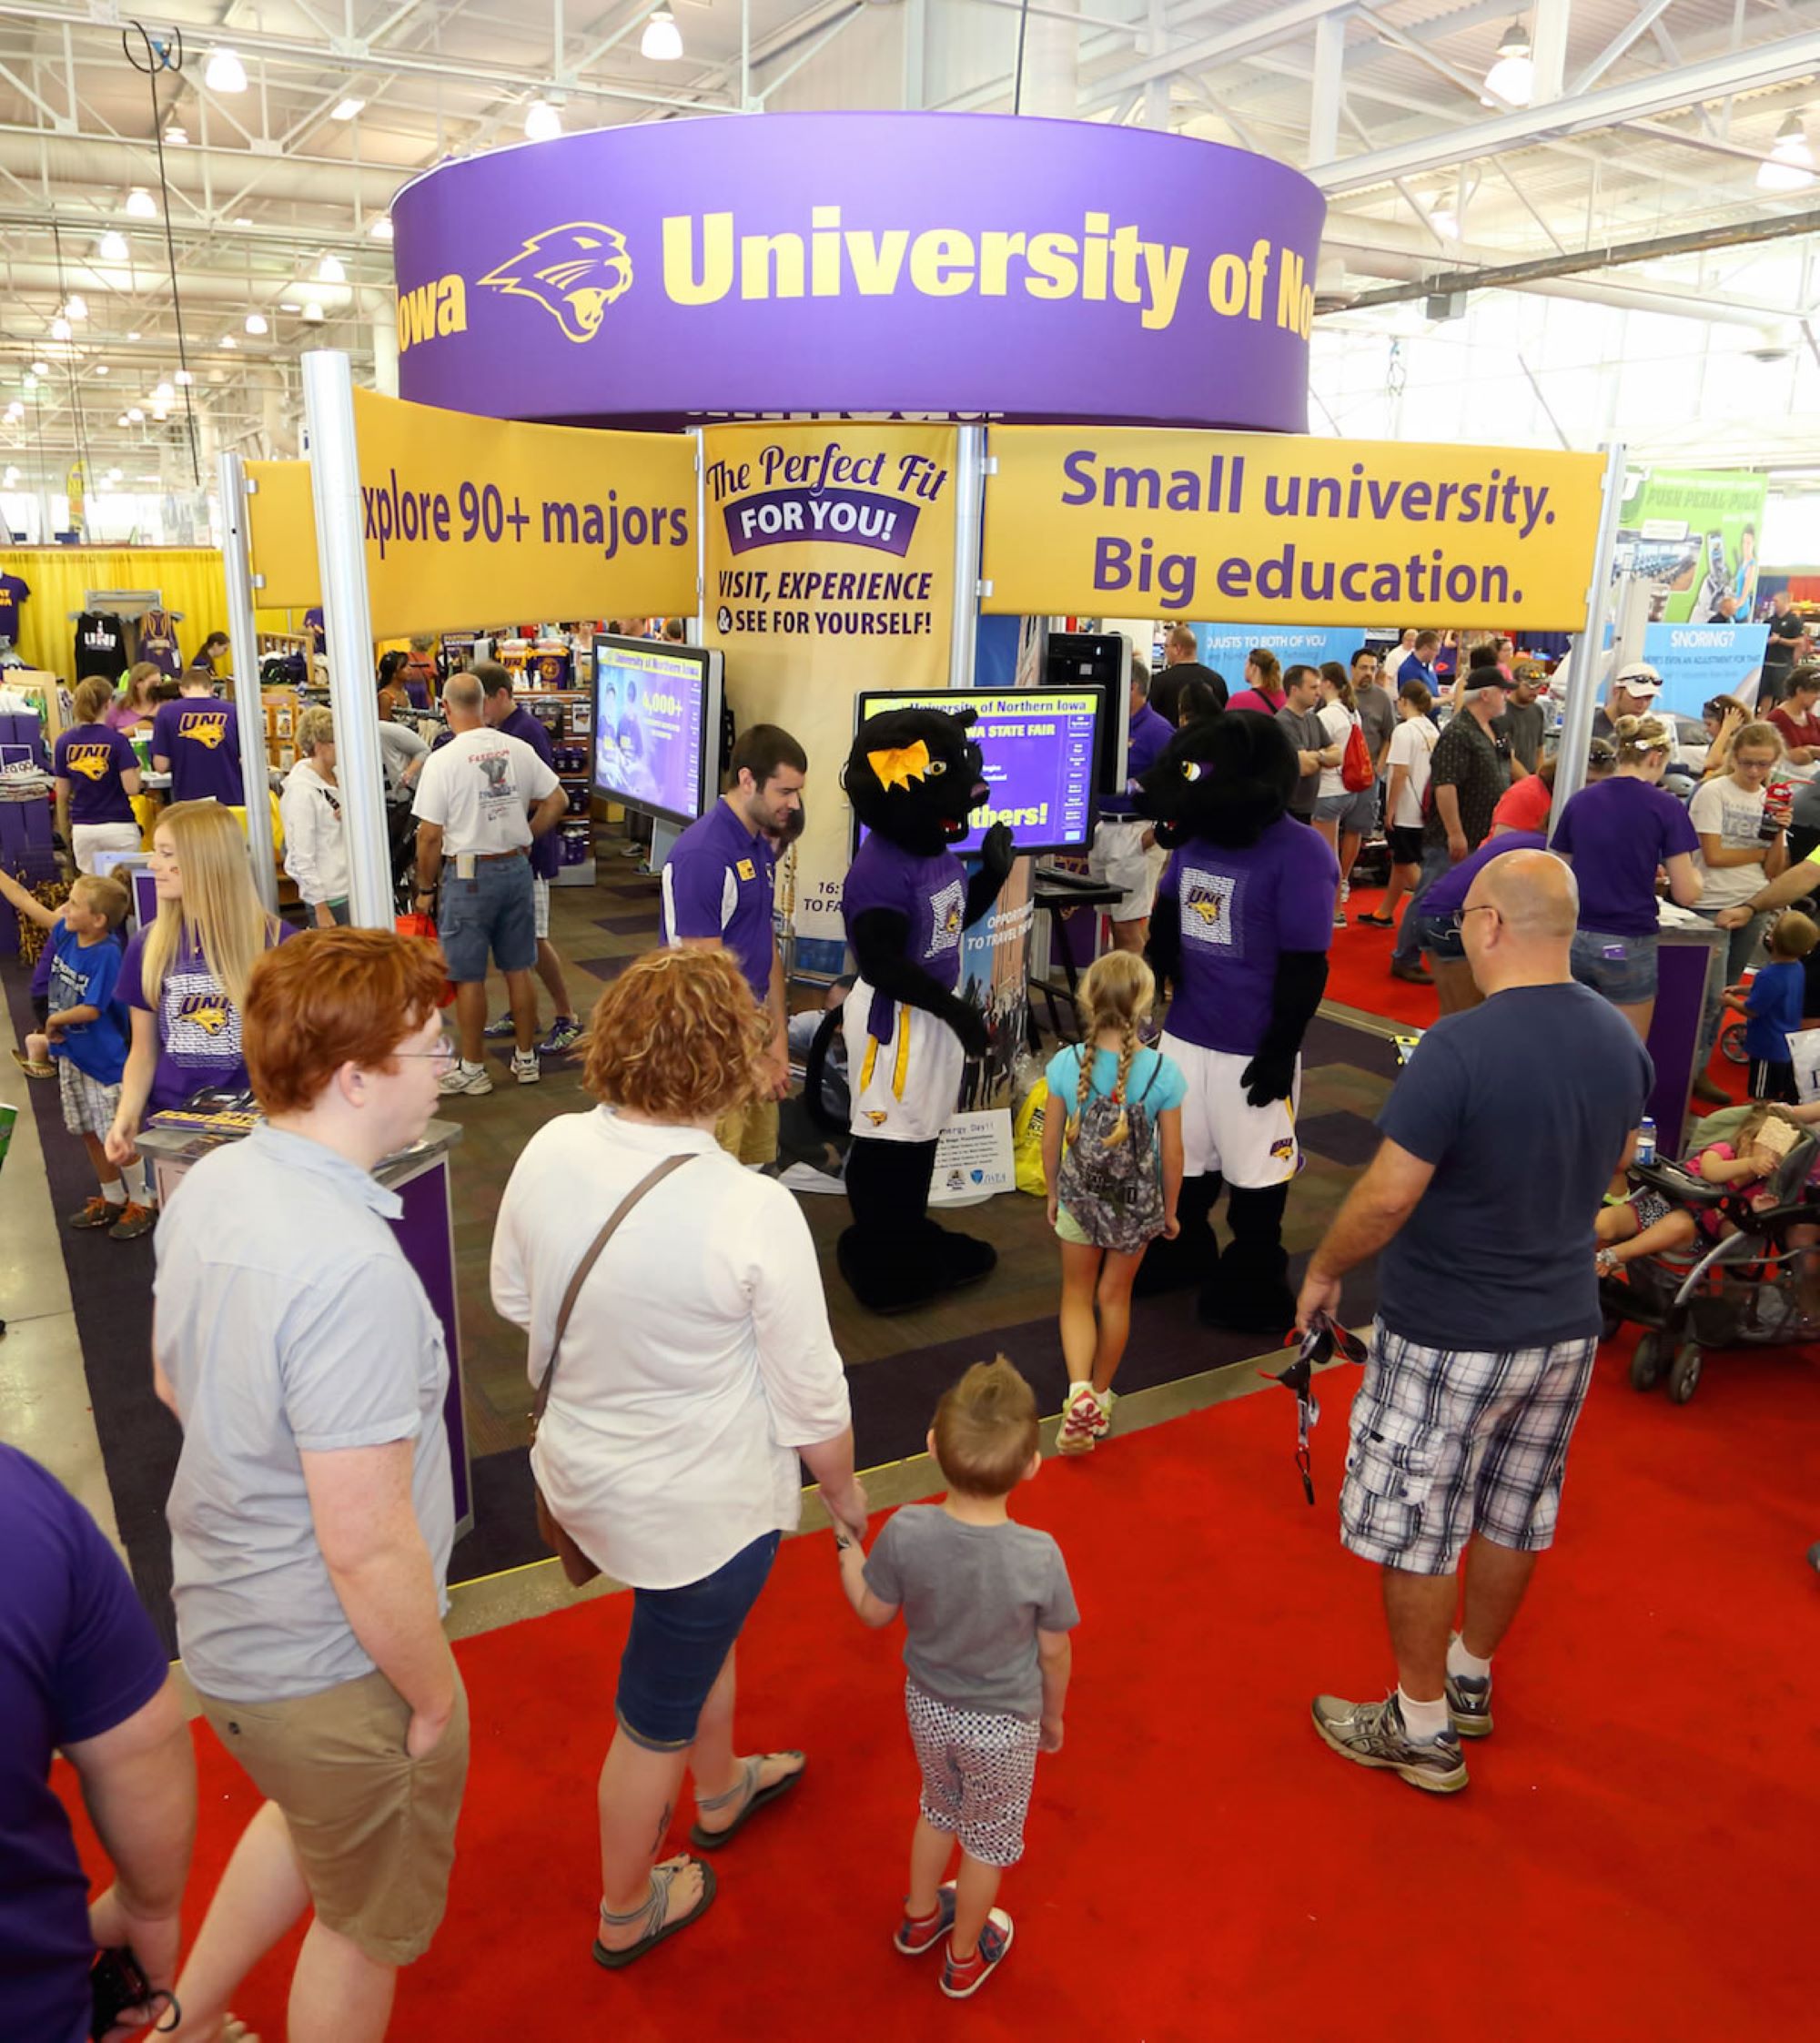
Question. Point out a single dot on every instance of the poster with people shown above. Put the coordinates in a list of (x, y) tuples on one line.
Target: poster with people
[(649, 736), (1690, 537)]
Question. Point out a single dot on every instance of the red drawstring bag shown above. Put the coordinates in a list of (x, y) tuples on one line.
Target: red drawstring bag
[(423, 927)]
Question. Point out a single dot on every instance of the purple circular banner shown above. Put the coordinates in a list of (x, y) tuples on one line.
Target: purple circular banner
[(931, 263)]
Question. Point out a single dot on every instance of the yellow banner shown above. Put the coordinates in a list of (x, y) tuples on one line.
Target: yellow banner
[(830, 568), (1275, 529), (471, 519), (282, 536)]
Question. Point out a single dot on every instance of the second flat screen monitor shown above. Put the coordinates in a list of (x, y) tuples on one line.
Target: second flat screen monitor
[(657, 726), (1042, 750)]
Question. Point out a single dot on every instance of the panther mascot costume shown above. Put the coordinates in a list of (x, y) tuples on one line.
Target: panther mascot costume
[(1240, 934), (913, 777)]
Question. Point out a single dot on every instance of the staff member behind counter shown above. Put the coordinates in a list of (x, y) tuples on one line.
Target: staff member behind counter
[(1124, 851)]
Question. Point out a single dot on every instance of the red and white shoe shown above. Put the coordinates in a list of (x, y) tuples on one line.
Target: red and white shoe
[(963, 1978), (1083, 1422)]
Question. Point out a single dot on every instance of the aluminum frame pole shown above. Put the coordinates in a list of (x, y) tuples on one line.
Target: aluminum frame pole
[(348, 627), (1584, 677), (698, 624), (969, 526), (237, 561)]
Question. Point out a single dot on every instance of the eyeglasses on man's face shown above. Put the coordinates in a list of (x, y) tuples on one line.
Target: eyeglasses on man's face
[(1457, 920), (442, 1052)]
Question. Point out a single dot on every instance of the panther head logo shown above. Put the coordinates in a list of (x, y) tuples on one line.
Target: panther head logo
[(574, 272), (1207, 909), (210, 1016), (206, 730)]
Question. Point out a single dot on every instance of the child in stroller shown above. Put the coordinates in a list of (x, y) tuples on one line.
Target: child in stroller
[(1716, 1253)]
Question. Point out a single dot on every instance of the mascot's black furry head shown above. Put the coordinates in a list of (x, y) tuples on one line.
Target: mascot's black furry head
[(914, 776), (1226, 778)]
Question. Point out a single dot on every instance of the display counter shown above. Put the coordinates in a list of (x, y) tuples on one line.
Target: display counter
[(425, 1230)]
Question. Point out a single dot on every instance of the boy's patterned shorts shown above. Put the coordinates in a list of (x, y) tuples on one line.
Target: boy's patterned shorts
[(88, 1106), (978, 1769)]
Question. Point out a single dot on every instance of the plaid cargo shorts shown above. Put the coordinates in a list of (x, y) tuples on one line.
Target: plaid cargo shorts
[(1446, 1442)]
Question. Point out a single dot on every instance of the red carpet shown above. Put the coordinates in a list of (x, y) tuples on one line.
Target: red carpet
[(1359, 967), (1635, 1857)]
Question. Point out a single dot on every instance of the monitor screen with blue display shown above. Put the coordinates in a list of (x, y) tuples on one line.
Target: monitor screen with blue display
[(1045, 755), (657, 726)]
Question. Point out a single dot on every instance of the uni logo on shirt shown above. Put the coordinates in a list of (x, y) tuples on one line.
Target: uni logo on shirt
[(202, 1011), (93, 760), (1208, 910), (205, 727), (746, 870)]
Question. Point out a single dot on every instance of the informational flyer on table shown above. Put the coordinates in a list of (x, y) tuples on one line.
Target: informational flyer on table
[(649, 743), (829, 570), (1698, 661)]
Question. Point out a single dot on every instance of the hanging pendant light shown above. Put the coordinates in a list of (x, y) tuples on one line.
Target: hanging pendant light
[(1511, 81), (224, 72), (141, 205), (1790, 165), (663, 40), (112, 248), (542, 121)]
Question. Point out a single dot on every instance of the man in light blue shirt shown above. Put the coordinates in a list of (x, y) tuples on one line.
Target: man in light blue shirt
[(312, 1515)]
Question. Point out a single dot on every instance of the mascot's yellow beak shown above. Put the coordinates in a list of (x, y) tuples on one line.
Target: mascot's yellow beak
[(901, 765)]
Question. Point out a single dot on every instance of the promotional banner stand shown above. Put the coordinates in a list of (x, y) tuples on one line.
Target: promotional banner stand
[(340, 548), (969, 524), (1588, 664), (248, 710)]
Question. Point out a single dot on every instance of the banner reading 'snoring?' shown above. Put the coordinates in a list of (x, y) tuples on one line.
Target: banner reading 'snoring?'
[(1278, 529)]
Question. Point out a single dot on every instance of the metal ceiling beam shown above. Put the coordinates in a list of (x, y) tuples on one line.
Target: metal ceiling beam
[(1661, 92)]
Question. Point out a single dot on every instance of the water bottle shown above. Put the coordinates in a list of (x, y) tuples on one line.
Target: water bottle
[(1645, 1140)]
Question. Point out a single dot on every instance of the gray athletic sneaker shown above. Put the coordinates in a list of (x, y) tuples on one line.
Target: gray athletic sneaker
[(1469, 1704), (1373, 1734)]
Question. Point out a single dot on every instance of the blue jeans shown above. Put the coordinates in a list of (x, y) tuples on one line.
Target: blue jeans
[(679, 1641), (1744, 947), (494, 912), (1408, 948)]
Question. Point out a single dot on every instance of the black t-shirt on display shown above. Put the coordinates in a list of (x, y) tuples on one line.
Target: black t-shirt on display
[(100, 644)]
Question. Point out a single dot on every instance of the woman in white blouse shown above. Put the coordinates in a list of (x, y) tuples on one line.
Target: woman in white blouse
[(697, 1366), (315, 847)]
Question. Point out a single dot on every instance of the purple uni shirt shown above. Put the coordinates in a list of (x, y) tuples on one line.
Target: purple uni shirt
[(1448, 895), (931, 892), (199, 1027), (1241, 909), (717, 881), (1617, 832), (91, 757), (201, 738)]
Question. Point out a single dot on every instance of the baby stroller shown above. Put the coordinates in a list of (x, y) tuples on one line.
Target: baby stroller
[(1742, 1291)]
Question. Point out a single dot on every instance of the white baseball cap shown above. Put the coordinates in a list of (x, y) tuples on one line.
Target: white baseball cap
[(1638, 678)]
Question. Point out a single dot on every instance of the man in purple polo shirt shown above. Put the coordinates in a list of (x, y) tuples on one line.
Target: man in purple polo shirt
[(1125, 852), (717, 889), (197, 741), (500, 712), (82, 1673)]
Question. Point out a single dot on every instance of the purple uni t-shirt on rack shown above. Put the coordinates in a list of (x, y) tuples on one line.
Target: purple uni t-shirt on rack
[(929, 892), (199, 1027)]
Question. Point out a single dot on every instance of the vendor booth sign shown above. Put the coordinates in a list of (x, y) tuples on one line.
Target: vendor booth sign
[(282, 536), (1690, 537), (830, 568), (1697, 662), (1226, 647), (930, 264), (1285, 531)]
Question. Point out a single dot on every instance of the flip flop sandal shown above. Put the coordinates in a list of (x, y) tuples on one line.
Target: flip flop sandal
[(756, 1799), (652, 1914), (31, 1069)]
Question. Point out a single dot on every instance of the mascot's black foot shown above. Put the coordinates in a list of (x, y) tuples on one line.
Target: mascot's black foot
[(1192, 1260), (1250, 1294), (962, 1259), (885, 1279)]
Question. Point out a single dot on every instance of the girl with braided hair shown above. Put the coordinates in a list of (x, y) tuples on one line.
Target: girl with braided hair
[(1112, 1155)]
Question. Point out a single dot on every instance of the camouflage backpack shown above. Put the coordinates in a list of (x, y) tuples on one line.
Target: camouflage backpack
[(1108, 1181)]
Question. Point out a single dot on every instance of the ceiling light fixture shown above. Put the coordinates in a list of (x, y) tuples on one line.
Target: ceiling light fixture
[(243, 221), (77, 307), (186, 375), (345, 109), (313, 314), (331, 270), (122, 419), (101, 369), (41, 369), (134, 335), (12, 476), (1511, 81), (61, 329), (382, 228), (176, 136), (224, 72), (542, 122), (112, 247), (135, 416), (141, 205), (164, 394), (1790, 164), (257, 323), (114, 474), (663, 40), (227, 340)]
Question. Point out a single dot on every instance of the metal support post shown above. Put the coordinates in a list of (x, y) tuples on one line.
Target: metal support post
[(348, 622), (237, 560), (1586, 671), (969, 522)]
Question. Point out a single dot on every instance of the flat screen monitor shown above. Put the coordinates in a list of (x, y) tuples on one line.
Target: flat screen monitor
[(657, 726), (1046, 759)]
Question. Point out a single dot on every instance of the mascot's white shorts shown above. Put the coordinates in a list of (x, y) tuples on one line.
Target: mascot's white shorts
[(1120, 859), (1252, 1147), (904, 1089)]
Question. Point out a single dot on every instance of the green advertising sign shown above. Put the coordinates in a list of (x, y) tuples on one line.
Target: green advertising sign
[(1691, 535)]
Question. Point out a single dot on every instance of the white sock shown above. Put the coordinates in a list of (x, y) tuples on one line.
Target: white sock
[(1464, 1665), (1074, 1390), (1424, 1722), (115, 1194), (471, 1069), (133, 1178)]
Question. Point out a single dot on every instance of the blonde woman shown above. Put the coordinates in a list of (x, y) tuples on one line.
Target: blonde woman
[(136, 706), (185, 978), (1108, 1201), (1617, 831), (316, 848), (98, 775)]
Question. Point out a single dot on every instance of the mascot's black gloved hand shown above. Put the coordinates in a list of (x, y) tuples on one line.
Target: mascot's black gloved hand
[(997, 853), (1163, 951), (969, 1024), (1301, 979)]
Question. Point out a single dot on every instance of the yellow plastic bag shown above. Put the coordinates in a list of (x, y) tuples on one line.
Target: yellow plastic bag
[(1027, 1140)]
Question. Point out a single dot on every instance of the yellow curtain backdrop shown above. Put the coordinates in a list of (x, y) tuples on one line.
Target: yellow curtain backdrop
[(188, 578)]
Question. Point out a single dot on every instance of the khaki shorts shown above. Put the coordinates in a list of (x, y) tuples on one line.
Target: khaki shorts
[(749, 1132), (374, 1830)]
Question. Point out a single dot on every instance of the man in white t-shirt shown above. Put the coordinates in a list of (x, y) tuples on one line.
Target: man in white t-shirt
[(480, 800)]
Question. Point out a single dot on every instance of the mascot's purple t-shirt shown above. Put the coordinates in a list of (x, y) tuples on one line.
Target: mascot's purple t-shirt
[(931, 892), (1241, 909)]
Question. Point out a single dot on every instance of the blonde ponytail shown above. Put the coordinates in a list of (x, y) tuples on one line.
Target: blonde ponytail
[(1117, 992)]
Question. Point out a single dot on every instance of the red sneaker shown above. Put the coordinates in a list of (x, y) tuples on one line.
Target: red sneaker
[(961, 1979), (917, 1934)]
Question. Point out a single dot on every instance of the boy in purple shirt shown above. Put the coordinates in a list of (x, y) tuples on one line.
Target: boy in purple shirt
[(717, 889), (197, 741)]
